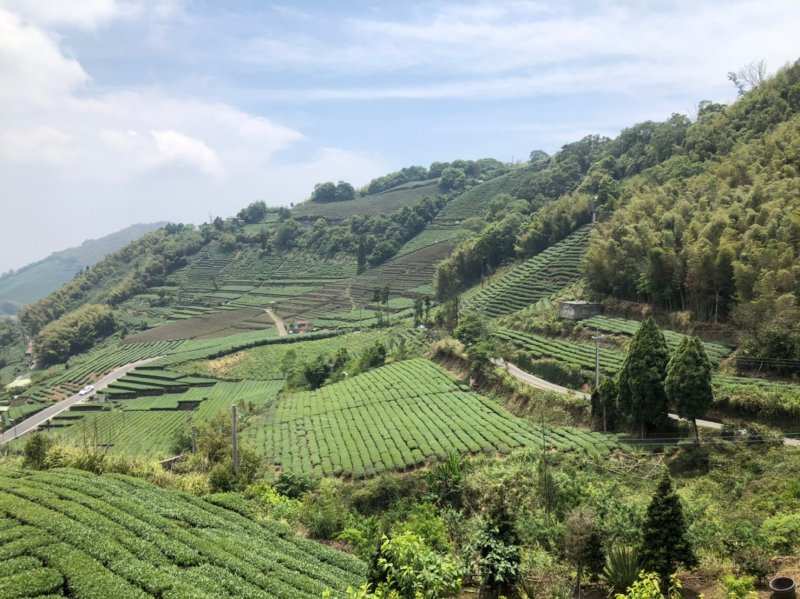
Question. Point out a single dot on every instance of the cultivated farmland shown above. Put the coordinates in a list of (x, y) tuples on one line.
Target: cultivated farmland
[(378, 203), (396, 417), (96, 537), (147, 425), (715, 351), (538, 277), (265, 362)]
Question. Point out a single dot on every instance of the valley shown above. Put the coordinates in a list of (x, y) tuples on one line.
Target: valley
[(375, 393)]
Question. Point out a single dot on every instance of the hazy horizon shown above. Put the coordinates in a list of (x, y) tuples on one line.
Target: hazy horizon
[(117, 112)]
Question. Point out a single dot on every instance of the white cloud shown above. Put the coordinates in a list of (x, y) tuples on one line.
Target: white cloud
[(518, 49), (176, 148), (32, 68), (77, 160), (37, 144), (90, 14)]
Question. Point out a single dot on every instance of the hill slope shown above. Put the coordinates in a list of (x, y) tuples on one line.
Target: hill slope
[(395, 417), (36, 280), (115, 536)]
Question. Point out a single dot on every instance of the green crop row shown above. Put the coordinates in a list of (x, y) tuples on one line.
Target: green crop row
[(395, 417), (148, 425), (538, 277), (113, 536), (608, 324)]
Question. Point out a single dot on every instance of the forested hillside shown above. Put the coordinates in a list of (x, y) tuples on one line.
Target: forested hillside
[(36, 280), (699, 216), (716, 229)]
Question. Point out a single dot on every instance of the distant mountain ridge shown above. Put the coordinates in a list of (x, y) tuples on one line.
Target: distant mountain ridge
[(38, 279)]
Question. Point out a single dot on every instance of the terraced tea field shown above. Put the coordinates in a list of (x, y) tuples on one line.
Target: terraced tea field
[(474, 202), (572, 352), (379, 203), (88, 367), (432, 235), (153, 381), (219, 323), (147, 425), (72, 533), (403, 275), (715, 351), (208, 349), (265, 362), (538, 277), (582, 355), (395, 417)]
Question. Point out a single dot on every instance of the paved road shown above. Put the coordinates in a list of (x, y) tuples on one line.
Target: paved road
[(278, 322), (43, 416), (539, 383)]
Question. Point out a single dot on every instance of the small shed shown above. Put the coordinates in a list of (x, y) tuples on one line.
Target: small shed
[(578, 309), (299, 326)]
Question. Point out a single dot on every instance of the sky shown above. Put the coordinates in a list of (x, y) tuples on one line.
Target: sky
[(114, 112)]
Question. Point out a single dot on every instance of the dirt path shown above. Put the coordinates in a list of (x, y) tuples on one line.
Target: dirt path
[(279, 324), (35, 421), (539, 383)]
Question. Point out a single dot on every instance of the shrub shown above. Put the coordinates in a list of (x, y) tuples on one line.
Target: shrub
[(739, 588), (294, 485), (424, 521), (555, 371), (446, 481), (221, 477), (647, 587), (378, 494), (622, 567), (324, 513), (35, 451), (275, 504), (782, 532), (407, 565)]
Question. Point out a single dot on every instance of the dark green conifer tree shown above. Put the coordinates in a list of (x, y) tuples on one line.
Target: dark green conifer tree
[(665, 545), (641, 380), (688, 382)]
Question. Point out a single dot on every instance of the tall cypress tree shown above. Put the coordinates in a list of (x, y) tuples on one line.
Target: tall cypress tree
[(688, 382), (641, 380), (664, 542)]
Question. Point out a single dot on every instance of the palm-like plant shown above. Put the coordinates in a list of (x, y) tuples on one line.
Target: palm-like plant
[(622, 567)]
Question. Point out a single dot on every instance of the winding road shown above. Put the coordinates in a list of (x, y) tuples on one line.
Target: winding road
[(35, 421), (539, 383)]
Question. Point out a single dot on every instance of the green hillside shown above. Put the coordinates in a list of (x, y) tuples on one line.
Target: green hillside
[(371, 205), (74, 534), (359, 341), (36, 280), (395, 417)]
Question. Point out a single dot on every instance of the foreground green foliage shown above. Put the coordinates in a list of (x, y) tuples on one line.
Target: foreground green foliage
[(116, 536)]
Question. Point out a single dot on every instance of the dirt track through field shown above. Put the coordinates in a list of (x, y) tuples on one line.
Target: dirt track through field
[(279, 324)]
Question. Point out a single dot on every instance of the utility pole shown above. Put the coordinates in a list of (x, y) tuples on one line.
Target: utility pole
[(597, 337), (234, 438)]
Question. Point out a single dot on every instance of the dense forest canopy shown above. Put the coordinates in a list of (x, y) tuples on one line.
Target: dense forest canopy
[(716, 228)]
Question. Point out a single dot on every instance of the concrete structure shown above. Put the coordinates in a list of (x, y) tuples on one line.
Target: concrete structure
[(578, 310)]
